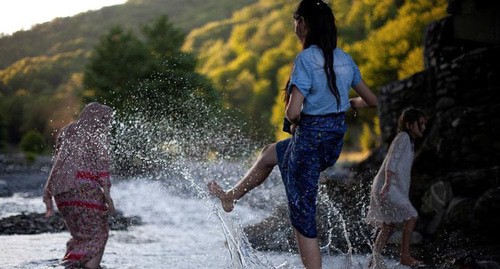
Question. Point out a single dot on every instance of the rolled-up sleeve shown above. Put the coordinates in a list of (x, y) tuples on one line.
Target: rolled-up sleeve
[(301, 75)]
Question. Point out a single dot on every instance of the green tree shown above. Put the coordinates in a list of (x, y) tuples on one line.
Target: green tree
[(2, 132), (383, 36), (150, 75), (33, 142), (13, 113), (162, 38), (391, 51), (115, 66)]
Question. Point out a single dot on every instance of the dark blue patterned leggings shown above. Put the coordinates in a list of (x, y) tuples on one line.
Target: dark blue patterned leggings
[(315, 146)]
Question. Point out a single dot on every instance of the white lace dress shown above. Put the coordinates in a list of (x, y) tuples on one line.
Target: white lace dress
[(396, 207)]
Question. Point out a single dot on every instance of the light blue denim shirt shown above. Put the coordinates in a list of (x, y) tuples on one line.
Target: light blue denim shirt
[(309, 77)]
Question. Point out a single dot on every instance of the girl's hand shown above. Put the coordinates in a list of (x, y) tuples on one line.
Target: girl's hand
[(49, 207), (111, 205), (293, 127), (383, 192)]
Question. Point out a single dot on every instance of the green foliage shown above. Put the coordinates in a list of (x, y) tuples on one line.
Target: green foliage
[(41, 69), (369, 138), (32, 142), (149, 75), (244, 63), (413, 63), (83, 30), (2, 132), (35, 91), (390, 52), (117, 61), (163, 38), (383, 36), (247, 55), (366, 139)]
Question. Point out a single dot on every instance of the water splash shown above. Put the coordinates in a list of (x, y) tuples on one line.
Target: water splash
[(185, 152), (241, 252), (347, 262)]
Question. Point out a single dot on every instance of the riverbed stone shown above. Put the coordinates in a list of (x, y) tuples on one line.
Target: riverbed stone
[(36, 223), (4, 189)]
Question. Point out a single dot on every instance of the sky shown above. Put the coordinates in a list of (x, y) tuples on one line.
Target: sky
[(18, 15)]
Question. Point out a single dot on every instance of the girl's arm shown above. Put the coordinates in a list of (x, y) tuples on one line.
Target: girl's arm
[(294, 106), (366, 97), (387, 184), (108, 199), (47, 196), (396, 150)]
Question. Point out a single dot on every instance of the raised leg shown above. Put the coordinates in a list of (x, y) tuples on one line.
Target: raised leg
[(257, 174)]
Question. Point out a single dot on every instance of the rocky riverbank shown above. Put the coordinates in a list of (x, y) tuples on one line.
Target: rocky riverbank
[(36, 223), (18, 175)]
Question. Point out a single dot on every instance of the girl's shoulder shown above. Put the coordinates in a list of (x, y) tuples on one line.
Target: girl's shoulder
[(402, 137), (310, 52), (341, 55), (314, 54)]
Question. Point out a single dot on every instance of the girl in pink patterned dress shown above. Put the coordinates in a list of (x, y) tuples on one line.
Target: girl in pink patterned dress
[(389, 200), (80, 184)]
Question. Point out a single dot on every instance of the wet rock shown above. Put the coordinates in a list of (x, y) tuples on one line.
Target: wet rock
[(36, 223), (460, 212), (273, 233), (4, 189), (486, 212)]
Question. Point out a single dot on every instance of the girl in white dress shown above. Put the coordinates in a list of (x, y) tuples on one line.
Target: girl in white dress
[(389, 199)]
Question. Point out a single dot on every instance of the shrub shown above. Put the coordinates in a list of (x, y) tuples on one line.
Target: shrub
[(32, 142)]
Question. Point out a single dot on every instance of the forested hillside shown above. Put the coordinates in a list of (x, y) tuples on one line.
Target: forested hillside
[(82, 31), (41, 70), (246, 48), (249, 56)]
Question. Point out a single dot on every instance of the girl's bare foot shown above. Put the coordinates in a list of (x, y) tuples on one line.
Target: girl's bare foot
[(410, 261), (217, 191), (370, 263)]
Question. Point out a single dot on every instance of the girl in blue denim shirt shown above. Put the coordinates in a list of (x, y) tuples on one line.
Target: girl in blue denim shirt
[(316, 99)]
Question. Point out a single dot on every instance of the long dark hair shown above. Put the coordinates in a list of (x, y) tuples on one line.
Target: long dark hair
[(322, 31)]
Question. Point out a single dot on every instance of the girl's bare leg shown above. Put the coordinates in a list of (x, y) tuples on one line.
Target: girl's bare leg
[(381, 240), (406, 258), (382, 237), (94, 262), (309, 251), (257, 174)]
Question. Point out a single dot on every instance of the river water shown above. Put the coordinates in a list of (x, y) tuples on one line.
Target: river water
[(182, 228)]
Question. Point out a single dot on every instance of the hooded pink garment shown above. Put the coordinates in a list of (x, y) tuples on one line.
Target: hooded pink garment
[(82, 147)]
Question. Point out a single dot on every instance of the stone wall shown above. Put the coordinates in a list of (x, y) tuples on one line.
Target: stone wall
[(456, 174)]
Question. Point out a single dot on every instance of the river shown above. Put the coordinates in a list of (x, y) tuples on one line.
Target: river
[(182, 227)]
